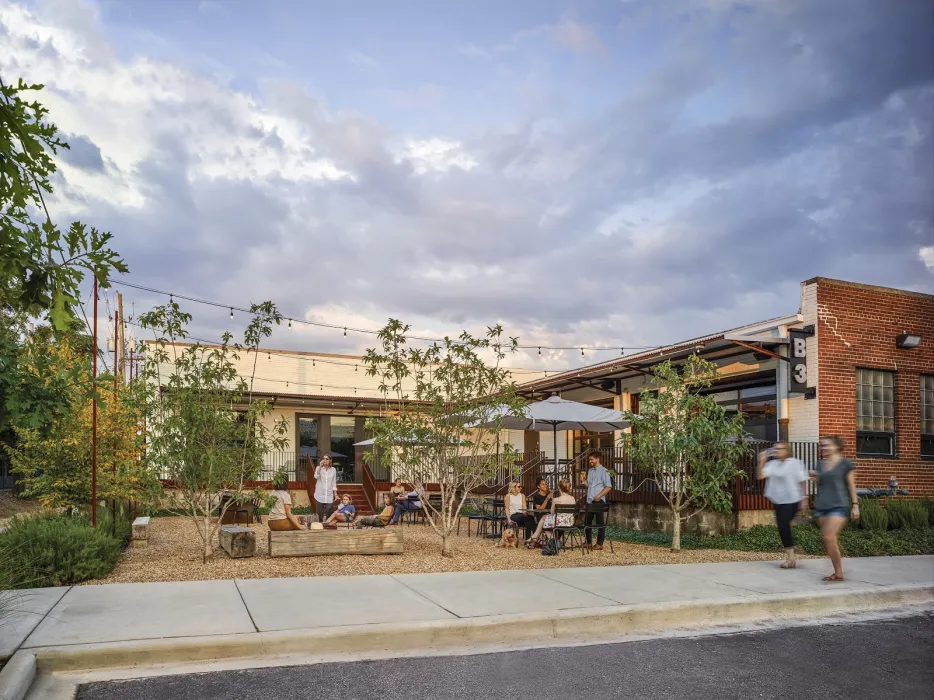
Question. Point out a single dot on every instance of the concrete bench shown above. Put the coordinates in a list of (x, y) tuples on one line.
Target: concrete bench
[(310, 543), (239, 542), (141, 531)]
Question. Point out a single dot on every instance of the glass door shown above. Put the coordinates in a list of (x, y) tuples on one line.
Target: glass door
[(307, 446), (342, 449)]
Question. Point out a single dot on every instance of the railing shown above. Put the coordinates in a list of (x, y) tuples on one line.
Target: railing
[(370, 488), (632, 485), (748, 492)]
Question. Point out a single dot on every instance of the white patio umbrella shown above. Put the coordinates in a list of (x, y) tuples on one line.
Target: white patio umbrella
[(556, 414)]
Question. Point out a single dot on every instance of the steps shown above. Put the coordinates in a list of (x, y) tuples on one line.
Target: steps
[(356, 492)]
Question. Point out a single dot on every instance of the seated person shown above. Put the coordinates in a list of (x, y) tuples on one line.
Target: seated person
[(381, 520), (397, 489), (280, 515), (565, 498), (344, 514), (406, 502)]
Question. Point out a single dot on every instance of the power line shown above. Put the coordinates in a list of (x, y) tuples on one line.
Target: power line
[(370, 331)]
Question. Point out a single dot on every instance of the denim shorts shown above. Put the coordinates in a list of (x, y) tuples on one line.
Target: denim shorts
[(842, 512)]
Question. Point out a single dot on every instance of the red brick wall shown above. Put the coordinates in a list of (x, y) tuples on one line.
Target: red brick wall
[(869, 319)]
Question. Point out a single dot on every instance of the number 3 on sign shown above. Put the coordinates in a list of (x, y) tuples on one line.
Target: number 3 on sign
[(801, 373)]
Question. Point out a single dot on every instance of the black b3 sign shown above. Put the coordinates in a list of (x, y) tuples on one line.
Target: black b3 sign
[(798, 354)]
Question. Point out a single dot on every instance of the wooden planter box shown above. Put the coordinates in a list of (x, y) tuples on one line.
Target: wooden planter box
[(310, 543)]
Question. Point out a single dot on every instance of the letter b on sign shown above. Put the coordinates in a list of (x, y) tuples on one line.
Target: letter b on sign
[(799, 347)]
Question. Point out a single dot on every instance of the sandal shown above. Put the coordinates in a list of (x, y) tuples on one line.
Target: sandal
[(788, 565), (832, 578)]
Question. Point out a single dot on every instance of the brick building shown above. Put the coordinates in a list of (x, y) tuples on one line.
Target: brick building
[(877, 396), (855, 361)]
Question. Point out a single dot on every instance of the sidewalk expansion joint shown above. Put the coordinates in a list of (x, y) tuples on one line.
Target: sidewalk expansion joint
[(424, 597), (245, 606)]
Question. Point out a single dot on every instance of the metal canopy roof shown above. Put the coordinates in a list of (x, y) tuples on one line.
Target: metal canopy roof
[(605, 376)]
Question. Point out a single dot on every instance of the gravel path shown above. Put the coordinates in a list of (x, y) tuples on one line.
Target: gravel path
[(174, 554)]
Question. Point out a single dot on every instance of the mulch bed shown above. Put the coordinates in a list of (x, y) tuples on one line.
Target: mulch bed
[(174, 554)]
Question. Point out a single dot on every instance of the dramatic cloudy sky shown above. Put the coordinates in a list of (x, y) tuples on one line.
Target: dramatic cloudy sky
[(619, 172)]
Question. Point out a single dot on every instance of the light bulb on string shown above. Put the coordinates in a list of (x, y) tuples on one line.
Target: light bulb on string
[(539, 352), (231, 313), (312, 362), (345, 332), (622, 351), (290, 323), (582, 352)]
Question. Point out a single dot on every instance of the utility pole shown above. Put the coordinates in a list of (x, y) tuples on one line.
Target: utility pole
[(94, 418), (121, 339)]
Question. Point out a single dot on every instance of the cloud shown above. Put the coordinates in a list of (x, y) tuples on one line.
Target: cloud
[(926, 254), (83, 153), (567, 34), (690, 195), (361, 60)]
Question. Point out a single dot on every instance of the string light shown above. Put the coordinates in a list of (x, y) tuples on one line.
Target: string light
[(622, 351), (539, 352), (582, 352), (207, 302)]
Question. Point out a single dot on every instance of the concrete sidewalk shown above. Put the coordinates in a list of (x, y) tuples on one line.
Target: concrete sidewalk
[(127, 624)]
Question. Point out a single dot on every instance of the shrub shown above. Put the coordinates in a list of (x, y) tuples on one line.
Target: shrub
[(907, 515), (762, 538), (872, 516), (928, 505), (45, 551)]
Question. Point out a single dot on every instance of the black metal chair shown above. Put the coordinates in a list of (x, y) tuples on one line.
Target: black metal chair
[(571, 536), (479, 514), (597, 508), (496, 520)]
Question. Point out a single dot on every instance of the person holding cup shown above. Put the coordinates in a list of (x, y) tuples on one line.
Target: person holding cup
[(786, 487)]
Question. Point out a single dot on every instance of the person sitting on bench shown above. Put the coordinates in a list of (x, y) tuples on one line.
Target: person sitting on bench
[(344, 514), (409, 501), (280, 515), (381, 520)]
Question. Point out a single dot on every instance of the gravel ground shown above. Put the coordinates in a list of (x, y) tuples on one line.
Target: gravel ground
[(174, 554)]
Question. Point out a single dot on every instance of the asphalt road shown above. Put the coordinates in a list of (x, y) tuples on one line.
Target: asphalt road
[(893, 659)]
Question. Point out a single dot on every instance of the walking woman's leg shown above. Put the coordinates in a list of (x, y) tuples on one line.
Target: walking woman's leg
[(830, 526), (784, 513)]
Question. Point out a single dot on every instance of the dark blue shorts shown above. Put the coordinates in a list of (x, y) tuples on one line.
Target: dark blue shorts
[(842, 512)]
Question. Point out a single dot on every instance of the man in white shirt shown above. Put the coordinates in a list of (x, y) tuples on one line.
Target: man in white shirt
[(325, 488)]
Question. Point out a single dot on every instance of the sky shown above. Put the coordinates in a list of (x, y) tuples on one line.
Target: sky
[(618, 173)]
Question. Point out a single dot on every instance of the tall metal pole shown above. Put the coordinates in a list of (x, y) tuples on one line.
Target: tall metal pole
[(117, 353), (94, 418)]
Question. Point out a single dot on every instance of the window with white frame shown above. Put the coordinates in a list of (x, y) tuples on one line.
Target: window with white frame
[(927, 415), (875, 412)]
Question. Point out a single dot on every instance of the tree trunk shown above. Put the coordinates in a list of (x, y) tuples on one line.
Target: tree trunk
[(446, 549), (676, 532), (208, 549)]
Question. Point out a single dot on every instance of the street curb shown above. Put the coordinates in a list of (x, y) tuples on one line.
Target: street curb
[(17, 675), (589, 623)]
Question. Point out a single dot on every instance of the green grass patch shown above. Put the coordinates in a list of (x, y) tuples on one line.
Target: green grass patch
[(854, 542)]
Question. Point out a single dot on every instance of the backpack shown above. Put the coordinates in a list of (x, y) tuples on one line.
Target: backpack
[(552, 547)]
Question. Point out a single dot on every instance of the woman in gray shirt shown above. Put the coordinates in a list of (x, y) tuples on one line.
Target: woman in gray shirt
[(836, 498)]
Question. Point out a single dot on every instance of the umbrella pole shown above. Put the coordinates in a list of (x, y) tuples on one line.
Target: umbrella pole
[(554, 432)]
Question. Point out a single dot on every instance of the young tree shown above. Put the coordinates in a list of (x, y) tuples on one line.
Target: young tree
[(41, 267), (205, 429), (53, 459), (685, 442), (447, 407)]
